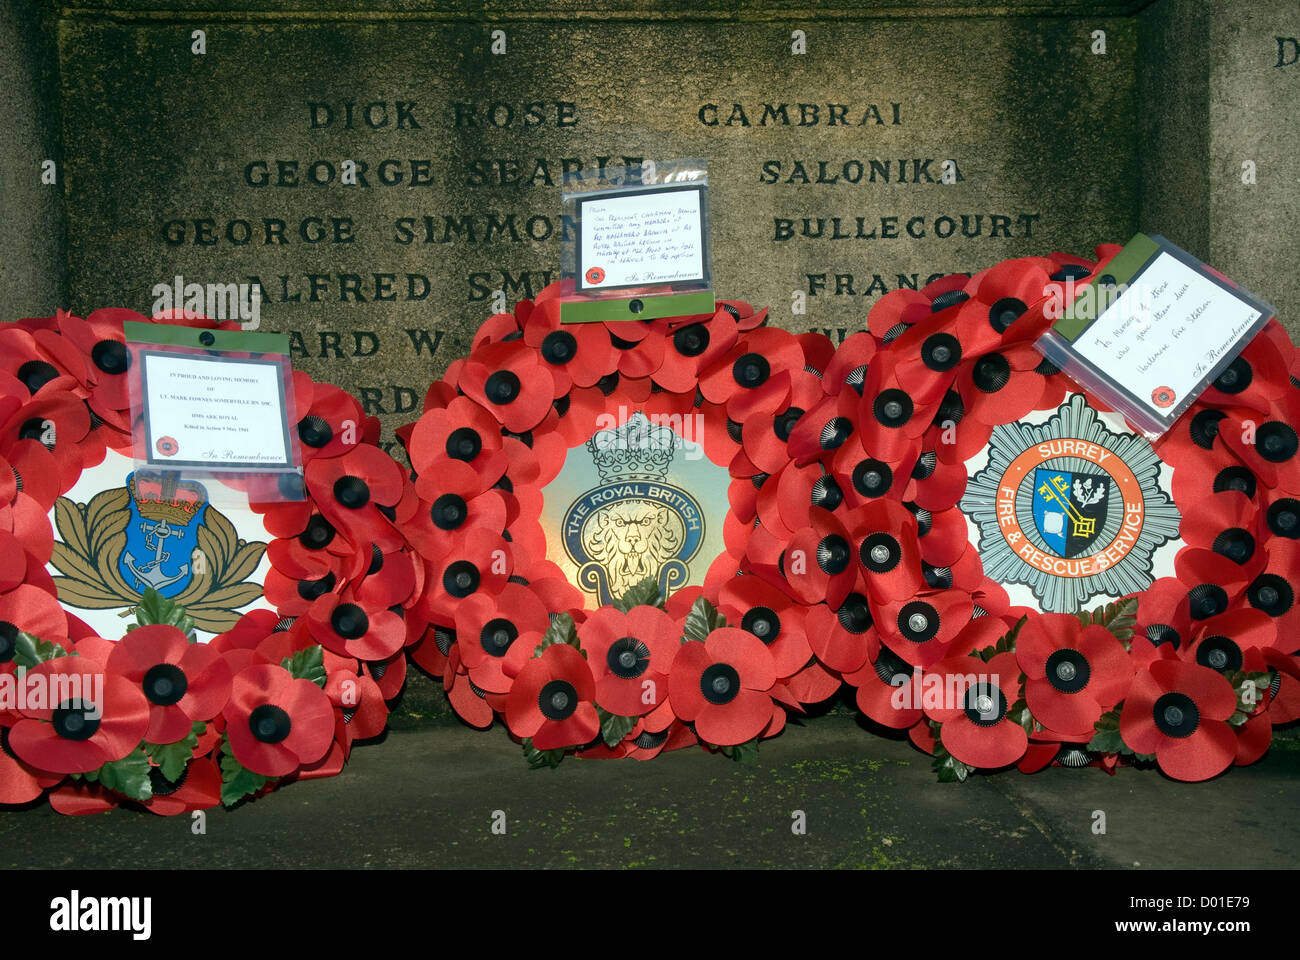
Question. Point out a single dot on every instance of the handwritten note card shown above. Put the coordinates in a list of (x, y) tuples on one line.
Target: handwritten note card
[(223, 413), (641, 239), (1166, 331)]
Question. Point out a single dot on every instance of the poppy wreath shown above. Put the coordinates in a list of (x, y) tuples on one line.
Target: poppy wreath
[(847, 558), (159, 720)]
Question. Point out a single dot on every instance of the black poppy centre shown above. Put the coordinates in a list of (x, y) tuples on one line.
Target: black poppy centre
[(497, 635), (1068, 671), (720, 683), (76, 719), (628, 658), (557, 700), (872, 478), (269, 723), (464, 443), (1176, 715), (165, 684), (762, 622), (985, 704)]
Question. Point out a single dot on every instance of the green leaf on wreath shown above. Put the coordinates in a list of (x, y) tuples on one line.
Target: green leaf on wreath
[(1006, 643), (644, 594), (1120, 618), (237, 781), (29, 651), (1106, 738), (561, 630), (128, 776), (746, 753), (537, 759), (172, 758), (702, 620), (155, 608), (308, 664), (948, 768), (1019, 713), (613, 728), (1249, 689)]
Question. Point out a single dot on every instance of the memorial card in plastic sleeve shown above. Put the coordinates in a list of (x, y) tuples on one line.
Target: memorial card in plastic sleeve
[(1151, 330)]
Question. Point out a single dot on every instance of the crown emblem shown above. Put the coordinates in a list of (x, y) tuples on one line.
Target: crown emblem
[(638, 450), (160, 496)]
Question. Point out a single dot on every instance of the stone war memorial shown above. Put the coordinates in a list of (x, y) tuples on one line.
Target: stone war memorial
[(651, 381)]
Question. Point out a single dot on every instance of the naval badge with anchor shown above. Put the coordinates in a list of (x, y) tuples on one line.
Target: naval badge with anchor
[(158, 532)]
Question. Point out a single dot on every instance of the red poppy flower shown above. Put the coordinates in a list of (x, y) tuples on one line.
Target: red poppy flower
[(784, 500), (100, 717), (819, 563), (489, 628), (298, 577), (897, 310), (1178, 711), (342, 624), (843, 637), (462, 431), (888, 690), (885, 534), (1267, 444), (753, 377), (823, 429), (1254, 379), (639, 349), (976, 698), (1227, 523), (753, 604), (818, 352), (480, 561), (470, 703), (943, 536), (99, 337), (928, 354), (1236, 640), (920, 630), (510, 381), (630, 655), (999, 309), (184, 682), (891, 421), (813, 684), (1272, 590), (1001, 386), (764, 439), (1073, 673), (1281, 515), (21, 782), (1253, 739), (352, 492), (935, 484), (847, 370), (577, 354), (644, 743), (33, 365), (388, 580), (59, 423), (275, 723), (332, 423), (551, 700), (721, 685)]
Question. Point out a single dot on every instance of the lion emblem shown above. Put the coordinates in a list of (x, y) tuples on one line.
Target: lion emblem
[(632, 539)]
